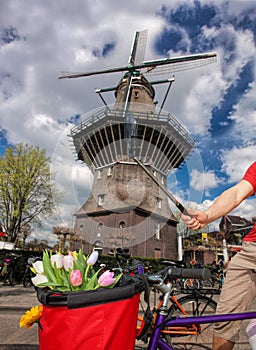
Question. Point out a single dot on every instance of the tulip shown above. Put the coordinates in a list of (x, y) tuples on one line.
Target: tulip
[(68, 261), (38, 279), (93, 258), (76, 278), (38, 267), (106, 279), (58, 260)]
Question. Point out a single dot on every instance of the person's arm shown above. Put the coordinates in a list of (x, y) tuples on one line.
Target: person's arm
[(226, 202)]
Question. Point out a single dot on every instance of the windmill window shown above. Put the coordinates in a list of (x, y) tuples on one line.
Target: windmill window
[(110, 171), (100, 199), (157, 253), (100, 225), (159, 202), (99, 174), (98, 246), (122, 225), (81, 227), (136, 94), (157, 231)]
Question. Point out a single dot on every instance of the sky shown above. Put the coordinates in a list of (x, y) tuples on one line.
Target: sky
[(215, 103)]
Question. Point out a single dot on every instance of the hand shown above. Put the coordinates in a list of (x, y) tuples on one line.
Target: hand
[(196, 220)]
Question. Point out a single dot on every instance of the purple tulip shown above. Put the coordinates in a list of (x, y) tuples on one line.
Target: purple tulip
[(93, 258), (76, 278), (106, 279)]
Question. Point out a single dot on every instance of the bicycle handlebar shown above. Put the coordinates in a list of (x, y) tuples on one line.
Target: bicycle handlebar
[(177, 272)]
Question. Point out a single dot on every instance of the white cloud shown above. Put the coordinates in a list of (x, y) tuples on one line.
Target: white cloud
[(245, 115), (236, 161), (204, 181), (60, 36)]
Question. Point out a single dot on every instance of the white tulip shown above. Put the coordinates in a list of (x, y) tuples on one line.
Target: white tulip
[(58, 260), (68, 262), (38, 266), (38, 279)]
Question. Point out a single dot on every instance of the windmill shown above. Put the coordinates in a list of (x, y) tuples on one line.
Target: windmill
[(131, 148), (137, 65)]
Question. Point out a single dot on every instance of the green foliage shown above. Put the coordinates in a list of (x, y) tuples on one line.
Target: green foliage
[(152, 264), (27, 191)]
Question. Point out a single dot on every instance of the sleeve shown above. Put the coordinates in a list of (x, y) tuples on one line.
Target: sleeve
[(250, 175)]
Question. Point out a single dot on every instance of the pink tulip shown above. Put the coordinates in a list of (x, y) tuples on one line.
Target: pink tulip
[(106, 279), (76, 278)]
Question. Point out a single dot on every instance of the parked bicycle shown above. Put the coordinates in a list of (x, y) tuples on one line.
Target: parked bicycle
[(10, 274), (28, 274)]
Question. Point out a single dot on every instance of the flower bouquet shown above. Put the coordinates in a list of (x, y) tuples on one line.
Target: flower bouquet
[(82, 308), (72, 272)]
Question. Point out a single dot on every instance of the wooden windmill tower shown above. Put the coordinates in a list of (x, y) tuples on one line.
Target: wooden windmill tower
[(125, 207)]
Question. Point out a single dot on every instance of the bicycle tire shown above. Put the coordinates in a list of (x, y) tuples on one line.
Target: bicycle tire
[(193, 305), (9, 278), (26, 281)]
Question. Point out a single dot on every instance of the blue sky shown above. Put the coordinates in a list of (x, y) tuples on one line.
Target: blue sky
[(215, 103)]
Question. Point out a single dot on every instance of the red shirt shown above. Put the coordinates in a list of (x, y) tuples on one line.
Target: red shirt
[(250, 176)]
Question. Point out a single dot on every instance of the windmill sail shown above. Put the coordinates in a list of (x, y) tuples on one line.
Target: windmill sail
[(177, 64), (139, 48)]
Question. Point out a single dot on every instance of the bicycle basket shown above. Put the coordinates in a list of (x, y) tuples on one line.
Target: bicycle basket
[(104, 319)]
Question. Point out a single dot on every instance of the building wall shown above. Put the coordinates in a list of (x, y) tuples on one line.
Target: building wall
[(132, 229)]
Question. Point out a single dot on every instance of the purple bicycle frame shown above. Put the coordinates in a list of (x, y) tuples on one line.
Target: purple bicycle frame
[(157, 343)]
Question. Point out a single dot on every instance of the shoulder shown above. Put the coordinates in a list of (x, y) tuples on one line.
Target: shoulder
[(250, 175)]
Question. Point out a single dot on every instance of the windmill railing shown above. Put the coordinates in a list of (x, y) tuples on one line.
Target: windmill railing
[(107, 113)]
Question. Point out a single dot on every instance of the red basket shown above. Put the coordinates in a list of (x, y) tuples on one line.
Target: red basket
[(100, 320)]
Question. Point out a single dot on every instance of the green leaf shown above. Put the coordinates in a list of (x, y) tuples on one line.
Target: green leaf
[(57, 274), (65, 279), (50, 284), (93, 281), (48, 270)]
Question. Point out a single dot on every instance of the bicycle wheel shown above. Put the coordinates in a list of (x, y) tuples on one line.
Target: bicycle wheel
[(9, 278), (26, 281), (194, 336)]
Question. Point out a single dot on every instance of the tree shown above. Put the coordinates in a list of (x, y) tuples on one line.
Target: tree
[(27, 192)]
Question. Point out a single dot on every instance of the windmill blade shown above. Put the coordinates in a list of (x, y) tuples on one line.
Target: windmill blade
[(174, 64), (177, 64), (136, 59), (65, 75), (138, 48)]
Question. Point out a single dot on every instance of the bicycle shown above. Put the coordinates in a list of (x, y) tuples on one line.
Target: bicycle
[(195, 303), (164, 321), (11, 270), (28, 274)]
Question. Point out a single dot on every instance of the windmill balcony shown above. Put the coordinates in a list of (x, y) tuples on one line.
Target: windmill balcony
[(159, 139)]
